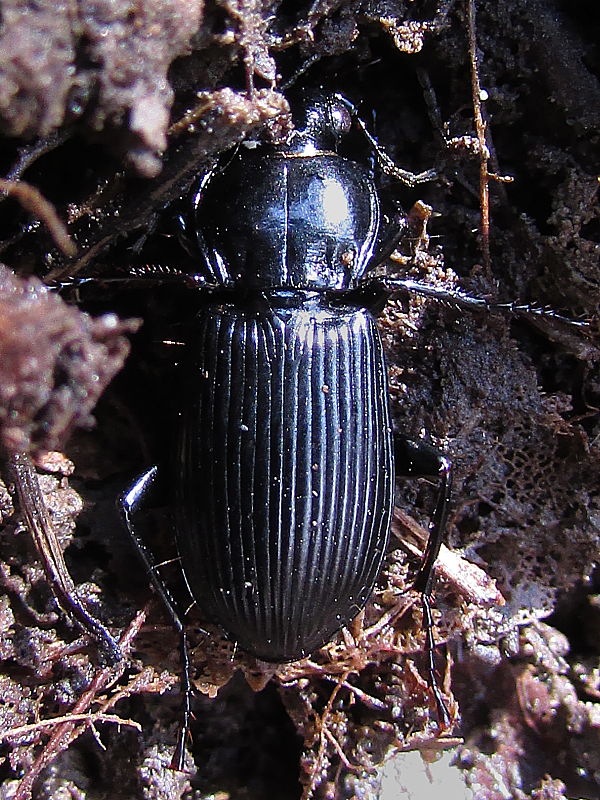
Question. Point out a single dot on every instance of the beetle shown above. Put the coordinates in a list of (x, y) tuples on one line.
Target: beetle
[(284, 468), (285, 460)]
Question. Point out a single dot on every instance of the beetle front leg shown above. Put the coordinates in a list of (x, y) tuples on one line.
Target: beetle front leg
[(410, 179), (135, 499), (417, 459)]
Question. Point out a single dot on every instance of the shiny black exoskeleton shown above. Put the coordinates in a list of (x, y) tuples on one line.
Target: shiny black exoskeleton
[(287, 475), (285, 460)]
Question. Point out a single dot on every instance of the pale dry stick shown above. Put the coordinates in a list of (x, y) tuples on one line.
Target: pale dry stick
[(139, 683), (425, 742), (310, 787), (90, 718), (470, 581), (36, 204), (371, 702), (480, 127), (357, 768), (190, 118), (389, 617)]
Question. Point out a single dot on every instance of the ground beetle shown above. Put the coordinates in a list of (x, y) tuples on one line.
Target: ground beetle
[(285, 463), (285, 460)]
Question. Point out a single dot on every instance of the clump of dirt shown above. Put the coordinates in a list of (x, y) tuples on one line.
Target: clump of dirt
[(55, 362)]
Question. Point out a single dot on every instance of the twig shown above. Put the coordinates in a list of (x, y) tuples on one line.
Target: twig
[(70, 730), (25, 730), (344, 758), (480, 127), (321, 725), (51, 555), (29, 154), (35, 203), (467, 579)]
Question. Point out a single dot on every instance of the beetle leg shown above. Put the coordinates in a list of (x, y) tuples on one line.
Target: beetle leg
[(392, 227), (417, 459), (134, 500), (144, 275), (386, 164)]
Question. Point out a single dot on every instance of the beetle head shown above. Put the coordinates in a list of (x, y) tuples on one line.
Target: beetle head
[(320, 120)]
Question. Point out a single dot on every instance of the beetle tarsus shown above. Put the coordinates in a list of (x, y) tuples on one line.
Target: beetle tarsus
[(178, 760), (442, 709)]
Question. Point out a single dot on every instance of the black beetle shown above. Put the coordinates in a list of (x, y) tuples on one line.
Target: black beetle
[(285, 460), (287, 415), (284, 474)]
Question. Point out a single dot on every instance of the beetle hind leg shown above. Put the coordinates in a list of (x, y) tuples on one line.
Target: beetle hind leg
[(417, 459), (134, 500)]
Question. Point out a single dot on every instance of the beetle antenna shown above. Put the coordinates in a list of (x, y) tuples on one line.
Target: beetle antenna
[(302, 69)]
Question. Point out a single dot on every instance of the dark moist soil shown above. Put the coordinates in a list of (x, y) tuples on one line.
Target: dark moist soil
[(85, 105)]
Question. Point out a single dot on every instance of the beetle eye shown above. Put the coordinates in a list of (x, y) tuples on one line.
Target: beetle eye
[(341, 121)]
